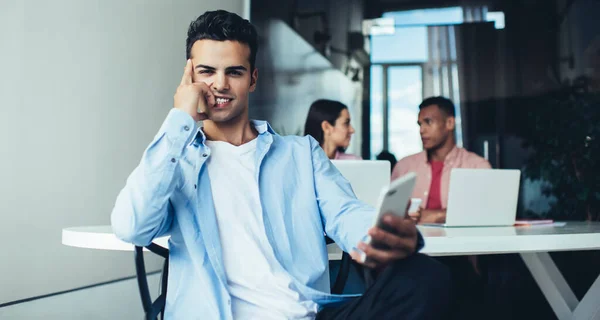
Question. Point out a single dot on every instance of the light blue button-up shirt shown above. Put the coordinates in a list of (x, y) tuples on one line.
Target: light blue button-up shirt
[(302, 196)]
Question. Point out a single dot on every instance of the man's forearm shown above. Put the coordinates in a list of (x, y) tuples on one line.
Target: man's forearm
[(433, 216)]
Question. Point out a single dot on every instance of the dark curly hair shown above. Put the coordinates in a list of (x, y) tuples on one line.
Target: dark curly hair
[(221, 25), (445, 105)]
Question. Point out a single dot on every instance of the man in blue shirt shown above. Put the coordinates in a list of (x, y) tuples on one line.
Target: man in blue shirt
[(246, 209)]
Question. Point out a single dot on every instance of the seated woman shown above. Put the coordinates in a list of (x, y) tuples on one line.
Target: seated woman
[(328, 122)]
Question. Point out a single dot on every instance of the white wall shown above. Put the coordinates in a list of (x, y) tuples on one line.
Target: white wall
[(115, 301), (84, 86)]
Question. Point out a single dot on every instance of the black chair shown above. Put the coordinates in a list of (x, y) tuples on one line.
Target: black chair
[(342, 276), (153, 309)]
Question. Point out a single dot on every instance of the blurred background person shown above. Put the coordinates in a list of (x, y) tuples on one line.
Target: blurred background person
[(440, 155), (388, 156), (328, 121)]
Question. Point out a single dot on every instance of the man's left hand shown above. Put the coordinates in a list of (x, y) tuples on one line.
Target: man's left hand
[(397, 242)]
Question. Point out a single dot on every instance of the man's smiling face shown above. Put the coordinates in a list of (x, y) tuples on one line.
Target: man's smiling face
[(225, 67)]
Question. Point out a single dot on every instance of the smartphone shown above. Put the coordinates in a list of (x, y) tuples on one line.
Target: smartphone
[(393, 200)]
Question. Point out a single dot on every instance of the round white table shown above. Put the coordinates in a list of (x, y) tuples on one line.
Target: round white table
[(533, 243), (100, 237)]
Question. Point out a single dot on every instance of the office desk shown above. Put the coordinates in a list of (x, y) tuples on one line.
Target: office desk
[(532, 243)]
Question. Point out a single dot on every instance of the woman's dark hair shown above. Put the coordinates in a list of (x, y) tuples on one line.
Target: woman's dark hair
[(221, 25), (322, 110)]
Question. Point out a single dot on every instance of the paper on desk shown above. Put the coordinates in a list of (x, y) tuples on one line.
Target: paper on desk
[(540, 225)]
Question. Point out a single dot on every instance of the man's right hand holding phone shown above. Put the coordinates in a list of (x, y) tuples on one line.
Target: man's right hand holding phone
[(395, 240), (193, 97)]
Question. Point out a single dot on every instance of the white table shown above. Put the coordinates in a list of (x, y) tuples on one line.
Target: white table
[(532, 243), (102, 238)]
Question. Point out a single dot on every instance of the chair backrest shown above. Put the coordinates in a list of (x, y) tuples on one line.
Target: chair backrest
[(151, 309)]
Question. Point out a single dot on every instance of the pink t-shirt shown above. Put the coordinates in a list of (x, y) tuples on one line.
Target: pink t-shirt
[(345, 156), (419, 164)]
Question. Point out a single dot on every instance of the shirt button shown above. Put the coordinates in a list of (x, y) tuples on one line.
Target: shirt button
[(173, 160), (205, 155), (186, 128), (195, 186), (426, 192), (228, 302)]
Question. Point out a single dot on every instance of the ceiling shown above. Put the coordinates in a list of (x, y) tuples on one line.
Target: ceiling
[(375, 8)]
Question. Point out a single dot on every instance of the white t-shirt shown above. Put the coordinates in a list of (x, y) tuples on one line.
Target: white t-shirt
[(260, 288)]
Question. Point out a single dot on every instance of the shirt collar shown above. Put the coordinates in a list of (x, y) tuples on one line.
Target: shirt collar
[(262, 127), (449, 157), (452, 155)]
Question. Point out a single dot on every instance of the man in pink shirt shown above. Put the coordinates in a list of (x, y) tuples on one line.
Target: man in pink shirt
[(433, 167), (434, 164)]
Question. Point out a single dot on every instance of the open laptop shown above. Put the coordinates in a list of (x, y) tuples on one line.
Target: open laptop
[(366, 177), (482, 198)]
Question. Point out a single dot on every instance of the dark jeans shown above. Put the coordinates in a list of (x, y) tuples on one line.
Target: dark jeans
[(414, 288)]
